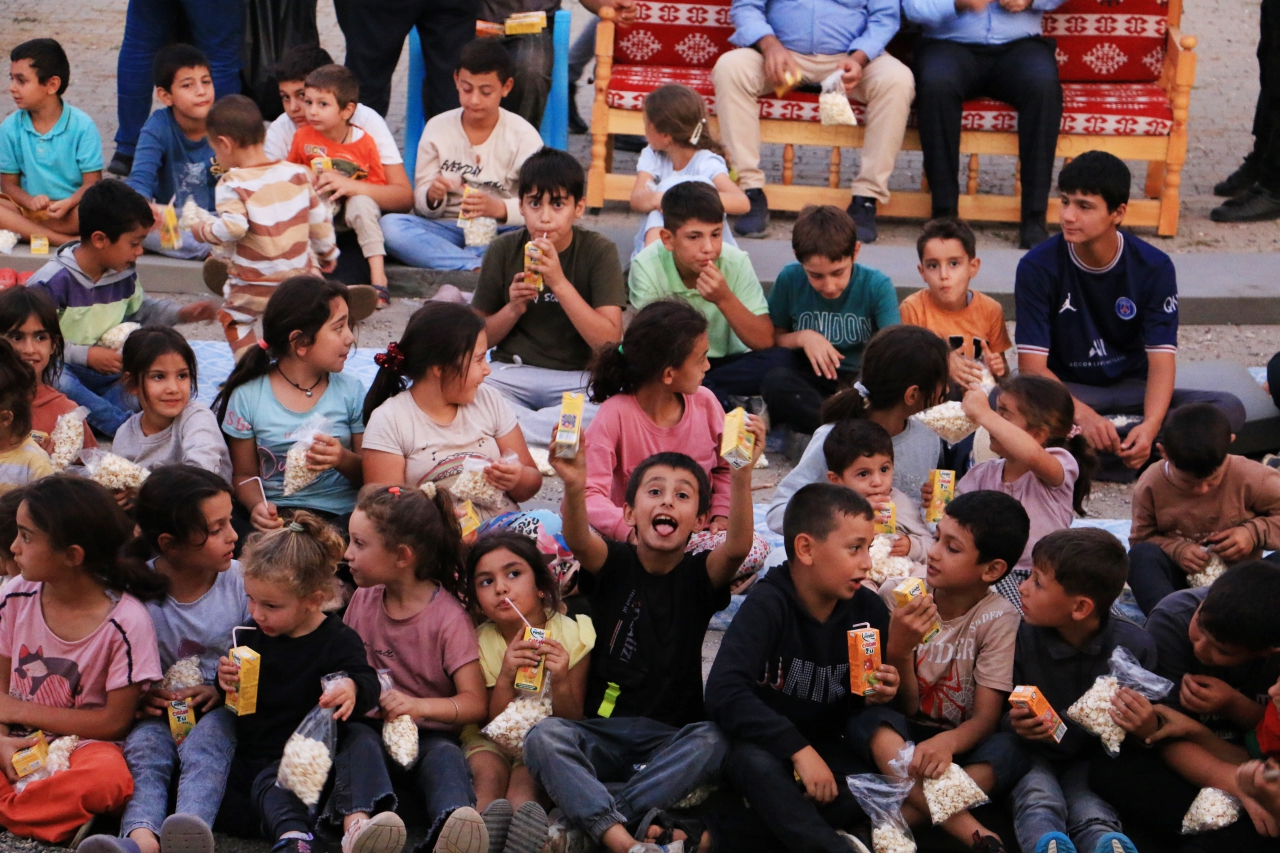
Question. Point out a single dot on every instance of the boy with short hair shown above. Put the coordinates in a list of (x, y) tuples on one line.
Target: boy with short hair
[(173, 161), (479, 146), (545, 334), (692, 263), (50, 151), (954, 687), (1064, 643), (94, 285), (949, 308), (644, 699), (783, 725), (824, 309)]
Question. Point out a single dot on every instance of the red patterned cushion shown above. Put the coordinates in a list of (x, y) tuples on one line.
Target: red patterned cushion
[(1113, 41), (684, 34)]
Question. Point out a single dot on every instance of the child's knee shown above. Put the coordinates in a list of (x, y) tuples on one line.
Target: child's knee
[(112, 784)]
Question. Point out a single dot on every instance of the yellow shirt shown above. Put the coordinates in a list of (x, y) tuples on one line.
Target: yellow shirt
[(25, 464), (577, 635)]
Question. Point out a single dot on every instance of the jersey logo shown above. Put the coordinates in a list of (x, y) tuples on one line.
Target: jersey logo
[(1066, 305), (1171, 305), (1125, 309), (1098, 349)]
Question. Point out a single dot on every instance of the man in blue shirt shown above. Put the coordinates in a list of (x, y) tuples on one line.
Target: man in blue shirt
[(989, 48), (1098, 310), (785, 42)]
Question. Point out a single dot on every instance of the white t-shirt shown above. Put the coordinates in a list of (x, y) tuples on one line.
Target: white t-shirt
[(280, 135)]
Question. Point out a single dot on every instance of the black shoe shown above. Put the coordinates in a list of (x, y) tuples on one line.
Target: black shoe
[(576, 125), (986, 844), (862, 210), (1239, 180), (1032, 233), (755, 222), (629, 142), (121, 164), (1256, 204), (296, 845)]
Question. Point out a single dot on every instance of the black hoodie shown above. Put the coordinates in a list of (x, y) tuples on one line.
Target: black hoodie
[(781, 678)]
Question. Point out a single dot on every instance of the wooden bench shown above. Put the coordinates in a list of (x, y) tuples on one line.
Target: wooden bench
[(1126, 68)]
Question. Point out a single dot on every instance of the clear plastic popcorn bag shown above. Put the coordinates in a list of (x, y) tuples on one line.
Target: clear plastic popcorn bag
[(833, 103), (399, 735), (883, 566), (1093, 710), (509, 729), (57, 760), (114, 472), (472, 485), (1212, 809), (949, 421), (881, 797), (115, 337), (308, 754), (1212, 570), (298, 474), (951, 793), (68, 438)]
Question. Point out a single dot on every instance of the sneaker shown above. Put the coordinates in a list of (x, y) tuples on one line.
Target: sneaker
[(755, 222), (363, 301), (214, 275), (185, 833), (1255, 204), (986, 844), (1115, 842), (650, 847), (497, 819), (120, 165), (384, 296), (862, 210), (382, 833), (1032, 233), (576, 125), (1055, 842), (528, 830), (104, 844), (1239, 180), (463, 832), (295, 845)]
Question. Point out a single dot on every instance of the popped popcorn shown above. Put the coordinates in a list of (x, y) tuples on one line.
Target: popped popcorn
[(114, 337), (949, 421), (60, 753), (193, 214), (67, 438), (1205, 577), (304, 768), (116, 472), (1093, 711), (951, 794), (297, 473), (479, 231), (1211, 809), (509, 729), (8, 239), (472, 485), (889, 838), (884, 566), (183, 674), (833, 108), (400, 736)]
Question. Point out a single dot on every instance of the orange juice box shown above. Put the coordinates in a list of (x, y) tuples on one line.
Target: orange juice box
[(525, 23), (792, 80), (244, 699), (864, 659), (738, 443), (887, 519), (1029, 697), (531, 257), (911, 588), (29, 760), (182, 719), (170, 237), (944, 489), (488, 29), (470, 520), (569, 431), (530, 677), (319, 164), (467, 190), (39, 244)]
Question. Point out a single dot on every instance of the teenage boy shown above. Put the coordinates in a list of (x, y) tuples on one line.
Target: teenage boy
[(947, 306), (692, 263), (643, 698), (478, 147), (174, 161), (94, 285), (824, 308), (544, 335), (1199, 503), (1098, 310), (50, 152), (779, 687), (1064, 643), (954, 687)]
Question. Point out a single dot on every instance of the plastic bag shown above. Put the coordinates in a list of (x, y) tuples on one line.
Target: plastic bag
[(472, 485), (193, 214), (881, 797), (1211, 809), (949, 421), (885, 567), (509, 729), (68, 438), (114, 472), (183, 674), (1093, 710), (115, 337), (948, 795), (1212, 570), (399, 735), (58, 759), (8, 239), (308, 754), (833, 103), (298, 474)]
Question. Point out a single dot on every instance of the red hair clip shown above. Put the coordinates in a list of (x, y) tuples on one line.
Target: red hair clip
[(262, 344), (394, 490), (392, 359)]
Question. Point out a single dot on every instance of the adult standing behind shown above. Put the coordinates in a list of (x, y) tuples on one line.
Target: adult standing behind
[(989, 48), (778, 40)]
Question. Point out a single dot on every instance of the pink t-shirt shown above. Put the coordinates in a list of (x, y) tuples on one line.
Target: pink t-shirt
[(422, 652), (1049, 509), (621, 437), (48, 670)]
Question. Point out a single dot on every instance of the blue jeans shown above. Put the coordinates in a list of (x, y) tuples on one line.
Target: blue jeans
[(103, 394), (443, 778), (1054, 796), (203, 760), (572, 761), (536, 394), (217, 28), (433, 244), (360, 779), (190, 250)]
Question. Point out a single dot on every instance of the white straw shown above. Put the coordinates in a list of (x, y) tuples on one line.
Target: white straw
[(518, 613)]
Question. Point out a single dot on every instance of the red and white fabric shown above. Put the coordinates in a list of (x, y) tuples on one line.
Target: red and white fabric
[(691, 35), (1109, 41)]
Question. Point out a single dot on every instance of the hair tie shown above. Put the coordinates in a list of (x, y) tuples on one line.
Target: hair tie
[(295, 527), (1074, 431), (392, 359), (429, 489), (393, 490), (620, 352), (697, 131), (263, 345), (861, 389)]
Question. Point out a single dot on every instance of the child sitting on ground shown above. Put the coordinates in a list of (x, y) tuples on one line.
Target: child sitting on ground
[(801, 618), (1200, 504), (954, 686), (50, 151), (1064, 643), (21, 458), (681, 148), (824, 309), (965, 318), (174, 161)]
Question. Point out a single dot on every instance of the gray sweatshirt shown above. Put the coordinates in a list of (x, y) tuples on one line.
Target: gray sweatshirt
[(193, 438)]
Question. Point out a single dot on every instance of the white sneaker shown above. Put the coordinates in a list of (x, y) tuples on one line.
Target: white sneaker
[(463, 832), (382, 833)]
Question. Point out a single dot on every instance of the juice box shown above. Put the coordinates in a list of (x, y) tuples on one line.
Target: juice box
[(523, 23), (887, 519), (319, 164), (182, 719), (944, 489), (911, 588), (488, 29), (244, 699), (569, 431), (467, 190), (738, 442), (531, 257), (170, 237), (864, 659), (1029, 697), (39, 244), (791, 80), (530, 677), (469, 521), (29, 760)]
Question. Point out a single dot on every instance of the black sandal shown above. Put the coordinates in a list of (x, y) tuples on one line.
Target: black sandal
[(691, 827)]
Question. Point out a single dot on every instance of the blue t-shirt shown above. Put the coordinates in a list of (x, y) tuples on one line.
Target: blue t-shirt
[(1096, 326), (202, 627), (254, 412), (167, 166), (52, 164), (867, 305)]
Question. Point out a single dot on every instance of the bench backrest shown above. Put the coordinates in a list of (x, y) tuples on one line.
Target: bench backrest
[(690, 35)]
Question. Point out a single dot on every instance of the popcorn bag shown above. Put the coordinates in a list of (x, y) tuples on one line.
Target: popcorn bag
[(115, 337), (112, 471), (1211, 809), (183, 674), (1212, 570), (399, 735), (948, 795), (308, 754), (472, 485), (833, 103), (68, 438), (883, 566), (57, 758), (1093, 710), (510, 728), (297, 473), (949, 421), (193, 214), (881, 797)]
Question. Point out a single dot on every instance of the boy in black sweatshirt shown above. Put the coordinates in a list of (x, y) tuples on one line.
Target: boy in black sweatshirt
[(780, 685)]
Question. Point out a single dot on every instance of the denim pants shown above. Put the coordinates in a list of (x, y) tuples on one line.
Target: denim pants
[(659, 764), (742, 374), (217, 28), (443, 778), (190, 250), (1055, 796), (1153, 574), (202, 760), (360, 779), (433, 244), (103, 394), (536, 393)]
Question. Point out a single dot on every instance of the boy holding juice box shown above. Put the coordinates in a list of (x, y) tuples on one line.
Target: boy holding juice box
[(1065, 642), (810, 615), (955, 685)]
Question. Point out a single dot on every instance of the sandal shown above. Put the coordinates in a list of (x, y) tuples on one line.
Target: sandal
[(384, 296), (691, 827)]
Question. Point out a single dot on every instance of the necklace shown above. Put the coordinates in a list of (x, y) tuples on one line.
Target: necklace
[(306, 391)]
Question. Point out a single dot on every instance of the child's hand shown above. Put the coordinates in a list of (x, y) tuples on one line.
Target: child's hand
[(1030, 726), (573, 472), (481, 203), (1264, 823), (204, 697), (155, 702), (548, 263), (976, 403), (932, 759), (329, 265), (263, 516), (105, 361), (718, 524), (38, 202), (504, 475), (521, 295), (815, 775), (926, 493), (823, 357), (901, 546), (520, 652), (964, 371), (124, 498), (60, 208), (995, 363), (341, 695), (755, 424), (909, 622), (1204, 694), (325, 453), (886, 687), (1193, 558), (334, 185), (711, 284), (1172, 725), (556, 656), (1232, 545), (440, 188), (1134, 713), (396, 704), (228, 675), (8, 746), (198, 312), (1260, 780)]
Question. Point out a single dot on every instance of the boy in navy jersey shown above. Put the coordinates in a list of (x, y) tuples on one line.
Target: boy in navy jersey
[(1098, 310)]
